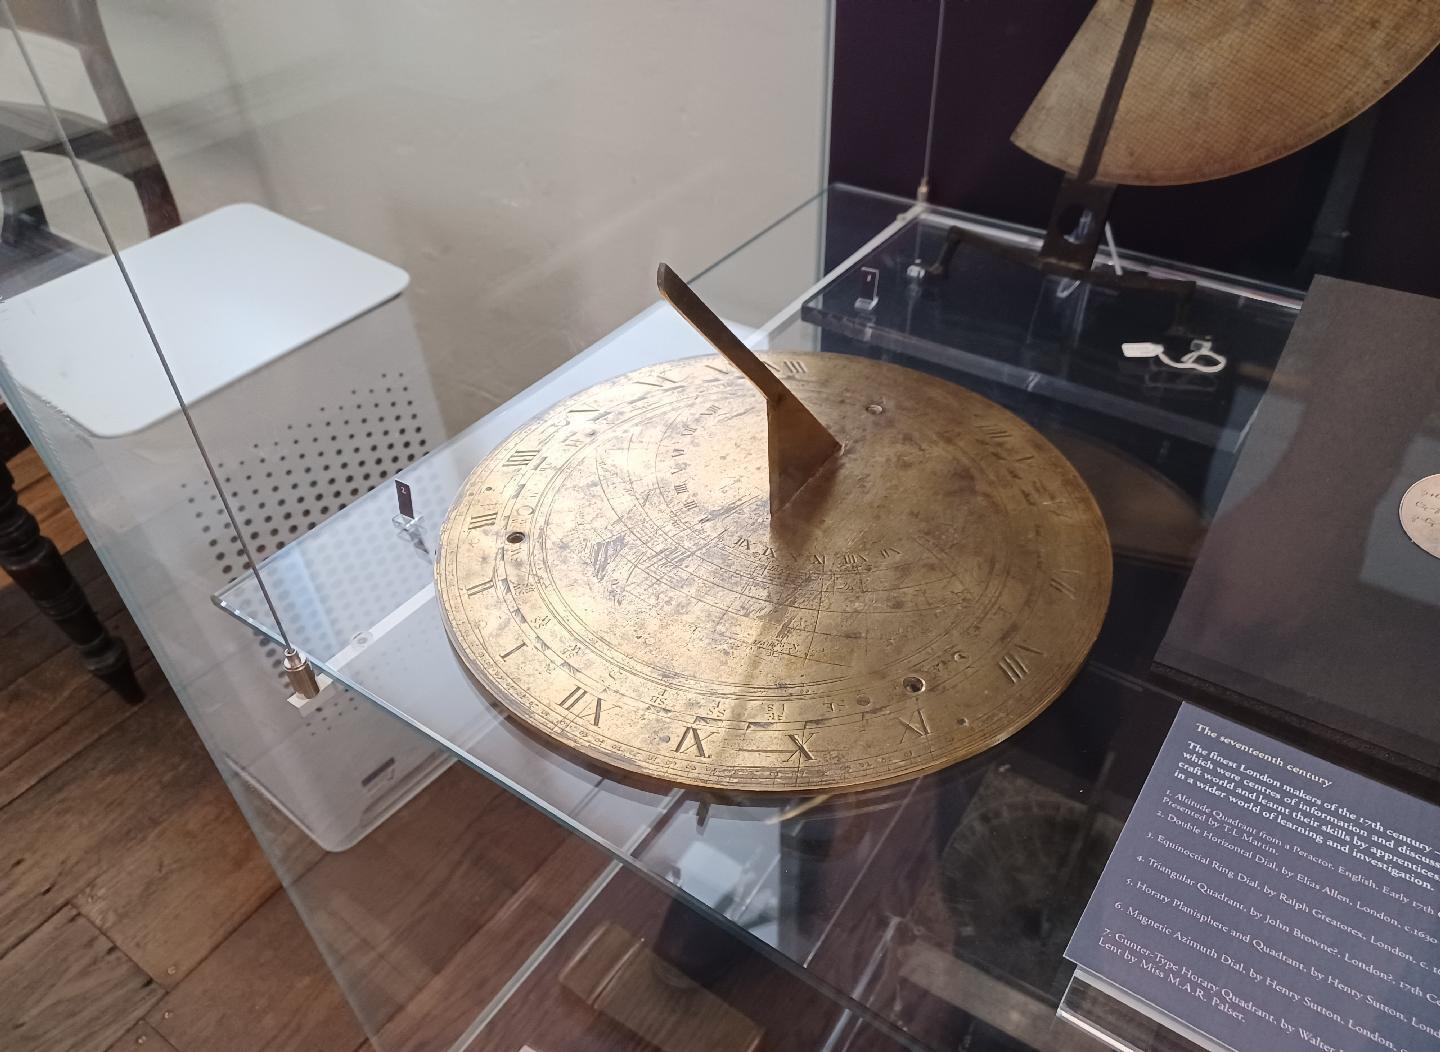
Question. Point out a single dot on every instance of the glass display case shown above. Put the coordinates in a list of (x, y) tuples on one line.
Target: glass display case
[(283, 294)]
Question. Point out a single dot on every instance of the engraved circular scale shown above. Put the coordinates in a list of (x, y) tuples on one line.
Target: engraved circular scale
[(1222, 86), (688, 579)]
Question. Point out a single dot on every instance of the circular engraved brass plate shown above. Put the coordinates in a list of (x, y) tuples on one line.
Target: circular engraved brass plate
[(1420, 514), (612, 574)]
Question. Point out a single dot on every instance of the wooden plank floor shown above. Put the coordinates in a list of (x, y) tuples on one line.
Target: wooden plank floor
[(138, 912), (124, 861)]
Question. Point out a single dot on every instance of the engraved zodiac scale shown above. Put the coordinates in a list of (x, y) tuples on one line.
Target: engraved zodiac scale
[(861, 574)]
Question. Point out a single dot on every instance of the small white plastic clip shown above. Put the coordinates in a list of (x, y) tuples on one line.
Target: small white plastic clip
[(869, 289)]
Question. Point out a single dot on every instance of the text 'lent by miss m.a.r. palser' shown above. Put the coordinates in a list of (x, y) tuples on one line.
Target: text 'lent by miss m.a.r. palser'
[(1270, 899)]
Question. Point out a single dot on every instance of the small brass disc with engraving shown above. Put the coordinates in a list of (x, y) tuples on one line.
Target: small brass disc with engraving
[(613, 573), (1420, 514)]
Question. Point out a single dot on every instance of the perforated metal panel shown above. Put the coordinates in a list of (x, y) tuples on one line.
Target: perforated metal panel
[(283, 486), (294, 445)]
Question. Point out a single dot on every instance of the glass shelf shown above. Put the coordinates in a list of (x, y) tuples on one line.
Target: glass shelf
[(999, 319), (951, 893)]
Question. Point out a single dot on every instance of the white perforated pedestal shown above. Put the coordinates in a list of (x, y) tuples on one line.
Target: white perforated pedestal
[(225, 294), (305, 379)]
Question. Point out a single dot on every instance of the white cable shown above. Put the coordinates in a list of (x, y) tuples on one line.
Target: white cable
[(1200, 358)]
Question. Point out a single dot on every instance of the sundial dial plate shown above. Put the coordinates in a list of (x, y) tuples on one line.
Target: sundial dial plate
[(613, 574)]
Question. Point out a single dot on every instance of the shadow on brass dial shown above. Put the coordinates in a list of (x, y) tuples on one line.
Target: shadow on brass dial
[(612, 574)]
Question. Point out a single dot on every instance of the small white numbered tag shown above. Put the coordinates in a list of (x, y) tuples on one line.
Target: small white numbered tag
[(1200, 358)]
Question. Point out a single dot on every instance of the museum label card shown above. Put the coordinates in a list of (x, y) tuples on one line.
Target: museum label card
[(1267, 899)]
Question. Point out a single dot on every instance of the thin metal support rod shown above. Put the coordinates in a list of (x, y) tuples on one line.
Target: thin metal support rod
[(145, 320), (923, 193)]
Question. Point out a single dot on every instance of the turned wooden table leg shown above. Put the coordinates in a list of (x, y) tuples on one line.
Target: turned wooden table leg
[(37, 568)]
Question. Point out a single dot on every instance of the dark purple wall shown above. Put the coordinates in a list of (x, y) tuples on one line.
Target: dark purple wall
[(995, 56)]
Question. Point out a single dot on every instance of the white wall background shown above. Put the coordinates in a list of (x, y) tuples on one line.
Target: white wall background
[(527, 161)]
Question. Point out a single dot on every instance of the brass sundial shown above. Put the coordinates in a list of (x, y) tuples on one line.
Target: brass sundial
[(683, 578)]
